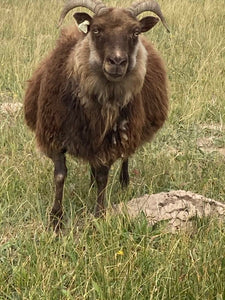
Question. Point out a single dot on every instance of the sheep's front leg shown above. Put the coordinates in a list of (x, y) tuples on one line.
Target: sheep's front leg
[(124, 174), (60, 173), (100, 174)]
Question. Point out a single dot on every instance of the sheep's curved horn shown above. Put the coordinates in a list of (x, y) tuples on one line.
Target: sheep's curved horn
[(138, 7), (96, 6)]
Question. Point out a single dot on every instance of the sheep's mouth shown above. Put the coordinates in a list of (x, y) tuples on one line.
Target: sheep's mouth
[(117, 76)]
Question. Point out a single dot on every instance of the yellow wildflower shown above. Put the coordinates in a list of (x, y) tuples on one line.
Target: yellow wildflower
[(119, 253)]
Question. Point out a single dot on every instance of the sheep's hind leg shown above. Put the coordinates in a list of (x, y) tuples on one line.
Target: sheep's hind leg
[(124, 174), (100, 174), (60, 173)]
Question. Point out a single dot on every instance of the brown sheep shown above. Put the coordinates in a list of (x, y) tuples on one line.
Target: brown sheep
[(99, 95)]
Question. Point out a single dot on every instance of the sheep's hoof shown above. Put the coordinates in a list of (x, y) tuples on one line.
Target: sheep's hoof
[(99, 212), (56, 220)]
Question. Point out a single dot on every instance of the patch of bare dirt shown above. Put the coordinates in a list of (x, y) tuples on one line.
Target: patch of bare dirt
[(11, 109), (213, 127), (207, 144)]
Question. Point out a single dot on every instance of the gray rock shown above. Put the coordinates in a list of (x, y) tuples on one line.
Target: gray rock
[(177, 207)]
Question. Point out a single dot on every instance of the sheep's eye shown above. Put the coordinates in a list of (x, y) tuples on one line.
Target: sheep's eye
[(96, 31), (136, 33)]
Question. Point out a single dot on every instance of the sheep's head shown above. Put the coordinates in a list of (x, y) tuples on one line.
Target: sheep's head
[(114, 34)]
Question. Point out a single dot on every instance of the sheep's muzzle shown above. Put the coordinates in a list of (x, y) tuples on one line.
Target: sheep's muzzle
[(115, 66)]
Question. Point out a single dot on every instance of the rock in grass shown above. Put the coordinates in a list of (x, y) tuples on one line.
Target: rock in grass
[(179, 208)]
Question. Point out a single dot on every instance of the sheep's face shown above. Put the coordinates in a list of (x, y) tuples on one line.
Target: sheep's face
[(114, 41)]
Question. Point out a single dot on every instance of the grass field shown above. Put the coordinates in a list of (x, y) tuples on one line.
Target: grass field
[(115, 258)]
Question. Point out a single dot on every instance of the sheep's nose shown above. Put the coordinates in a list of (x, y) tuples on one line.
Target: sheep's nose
[(117, 60)]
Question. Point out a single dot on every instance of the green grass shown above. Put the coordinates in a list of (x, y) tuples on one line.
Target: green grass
[(115, 258)]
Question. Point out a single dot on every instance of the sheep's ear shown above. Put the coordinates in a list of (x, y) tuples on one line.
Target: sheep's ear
[(83, 20), (147, 23)]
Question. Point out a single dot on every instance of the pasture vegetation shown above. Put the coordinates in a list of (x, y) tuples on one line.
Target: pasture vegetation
[(115, 258)]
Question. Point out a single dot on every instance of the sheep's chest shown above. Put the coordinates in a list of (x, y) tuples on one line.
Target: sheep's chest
[(101, 140), (103, 130), (110, 143)]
